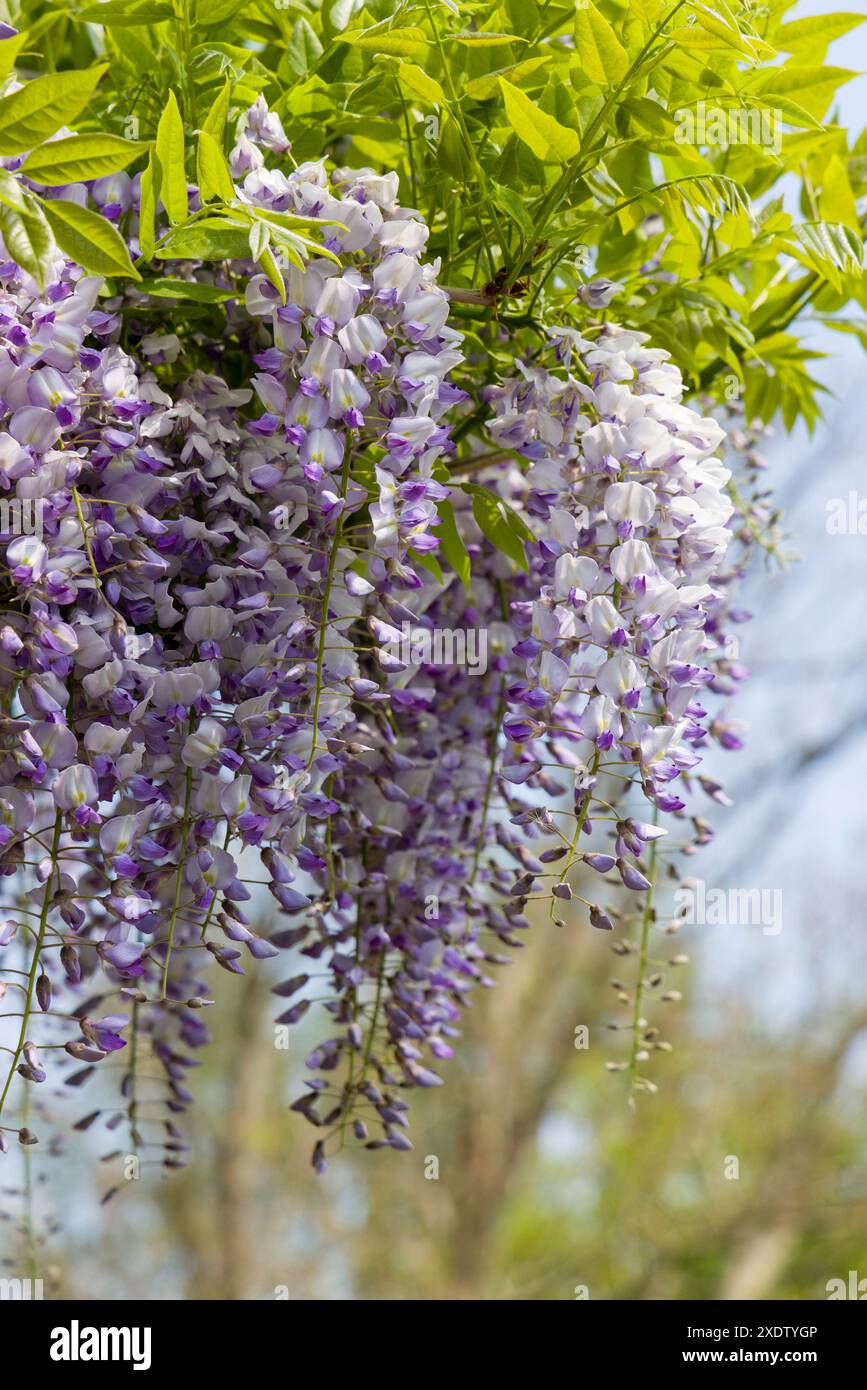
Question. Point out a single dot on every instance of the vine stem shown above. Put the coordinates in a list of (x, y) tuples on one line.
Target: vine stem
[(203, 935), (410, 152), (492, 750), (579, 826), (88, 549), (646, 920), (352, 1086), (34, 967), (577, 167), (326, 598), (29, 1223), (355, 1009), (492, 772), (132, 1112), (456, 111), (182, 856), (380, 980)]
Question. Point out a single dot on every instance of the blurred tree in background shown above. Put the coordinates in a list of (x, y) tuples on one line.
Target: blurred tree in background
[(531, 1178)]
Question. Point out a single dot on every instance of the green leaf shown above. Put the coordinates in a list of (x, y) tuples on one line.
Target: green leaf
[(163, 287), (9, 49), (836, 200), (337, 15), (452, 151), (813, 88), (715, 193), (790, 111), (483, 88), (298, 222), (600, 52), (523, 15), (399, 43), (267, 260), (727, 33), (647, 11), (428, 562), (303, 49), (210, 12), (452, 547), (482, 39), (857, 327), (259, 239), (42, 106), (80, 157), (208, 240), (699, 41), (500, 523), (418, 83), (514, 205), (830, 249), (649, 114), (118, 15), (25, 231), (215, 180), (215, 121), (813, 35), (28, 240), (89, 239), (170, 152), (12, 191), (151, 181), (550, 141)]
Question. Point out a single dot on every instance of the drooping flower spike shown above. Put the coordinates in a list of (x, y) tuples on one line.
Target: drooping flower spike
[(201, 667)]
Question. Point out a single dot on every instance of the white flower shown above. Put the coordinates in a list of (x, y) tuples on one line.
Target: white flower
[(553, 673), (633, 502), (208, 623), (618, 675), (203, 745), (630, 560), (75, 786)]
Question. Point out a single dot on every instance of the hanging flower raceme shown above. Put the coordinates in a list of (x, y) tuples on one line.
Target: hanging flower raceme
[(621, 626), (417, 800), (623, 636), (216, 647), (179, 660)]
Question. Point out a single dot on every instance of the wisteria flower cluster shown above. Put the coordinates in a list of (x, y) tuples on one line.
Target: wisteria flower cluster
[(623, 639), (200, 665)]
